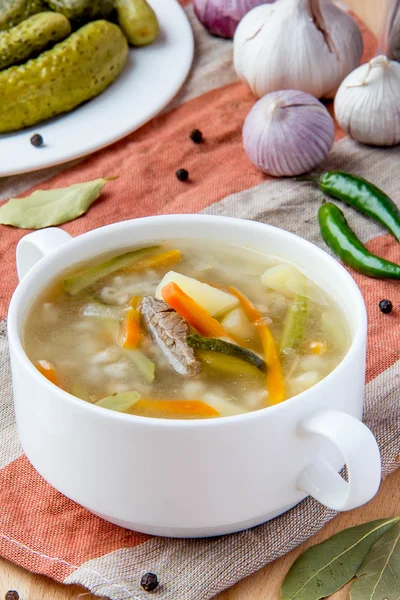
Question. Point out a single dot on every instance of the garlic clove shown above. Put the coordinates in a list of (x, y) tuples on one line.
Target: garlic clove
[(390, 41), (221, 17), (288, 133), (342, 38), (309, 45), (245, 52), (367, 105)]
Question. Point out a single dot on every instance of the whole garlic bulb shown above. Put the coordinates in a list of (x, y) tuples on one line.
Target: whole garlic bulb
[(308, 45), (288, 133), (367, 105), (221, 17)]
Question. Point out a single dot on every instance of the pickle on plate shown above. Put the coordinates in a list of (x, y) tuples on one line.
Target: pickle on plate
[(75, 70), (138, 21), (82, 11), (13, 12), (31, 37)]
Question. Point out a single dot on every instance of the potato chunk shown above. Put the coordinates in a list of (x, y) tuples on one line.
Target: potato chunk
[(214, 301)]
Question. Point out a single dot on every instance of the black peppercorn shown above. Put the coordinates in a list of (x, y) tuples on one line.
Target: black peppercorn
[(149, 582), (37, 140), (196, 136), (182, 174), (385, 306), (12, 595)]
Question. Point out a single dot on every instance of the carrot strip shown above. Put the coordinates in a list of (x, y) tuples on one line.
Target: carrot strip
[(174, 407), (275, 381), (238, 340), (165, 258), (192, 312), (130, 333), (159, 260), (130, 329), (47, 370)]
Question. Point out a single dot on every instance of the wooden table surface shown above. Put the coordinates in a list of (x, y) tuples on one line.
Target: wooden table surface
[(265, 584)]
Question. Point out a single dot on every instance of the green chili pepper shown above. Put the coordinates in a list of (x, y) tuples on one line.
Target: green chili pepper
[(364, 197), (346, 245)]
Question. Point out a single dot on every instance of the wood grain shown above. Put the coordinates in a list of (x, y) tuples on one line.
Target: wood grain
[(265, 584)]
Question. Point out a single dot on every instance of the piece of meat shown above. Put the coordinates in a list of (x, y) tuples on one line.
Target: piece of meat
[(168, 330)]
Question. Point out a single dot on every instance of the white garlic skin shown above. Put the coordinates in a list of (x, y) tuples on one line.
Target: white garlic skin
[(308, 45), (288, 133), (367, 105)]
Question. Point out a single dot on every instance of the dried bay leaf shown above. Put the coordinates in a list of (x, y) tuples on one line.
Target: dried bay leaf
[(45, 208), (325, 568), (379, 575)]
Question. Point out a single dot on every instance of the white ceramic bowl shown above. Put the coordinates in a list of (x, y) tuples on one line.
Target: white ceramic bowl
[(201, 477)]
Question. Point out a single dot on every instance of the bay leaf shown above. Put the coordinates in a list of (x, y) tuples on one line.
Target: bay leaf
[(324, 568), (45, 208), (379, 575)]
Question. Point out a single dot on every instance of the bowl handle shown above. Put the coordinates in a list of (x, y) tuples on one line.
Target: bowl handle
[(32, 247), (360, 452)]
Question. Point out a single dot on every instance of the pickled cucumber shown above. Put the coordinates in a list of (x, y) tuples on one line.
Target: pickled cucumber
[(82, 11), (13, 12), (75, 70), (32, 36), (137, 20)]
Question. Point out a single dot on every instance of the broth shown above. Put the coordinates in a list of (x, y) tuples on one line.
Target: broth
[(101, 334)]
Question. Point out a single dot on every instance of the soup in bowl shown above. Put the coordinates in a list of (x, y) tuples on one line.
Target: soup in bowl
[(185, 330), (190, 375)]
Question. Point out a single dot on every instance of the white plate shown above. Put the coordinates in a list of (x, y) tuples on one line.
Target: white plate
[(151, 78)]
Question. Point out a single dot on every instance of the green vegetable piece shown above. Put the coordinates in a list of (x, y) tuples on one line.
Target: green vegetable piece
[(120, 402), (295, 323), (379, 574), (45, 208), (13, 12), (345, 244), (214, 345), (138, 21), (364, 197), (31, 37), (86, 277), (324, 568), (82, 11), (74, 71), (229, 366), (143, 365)]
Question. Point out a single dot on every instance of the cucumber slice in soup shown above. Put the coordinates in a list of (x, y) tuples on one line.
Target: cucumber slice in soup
[(119, 402), (86, 277), (295, 323)]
